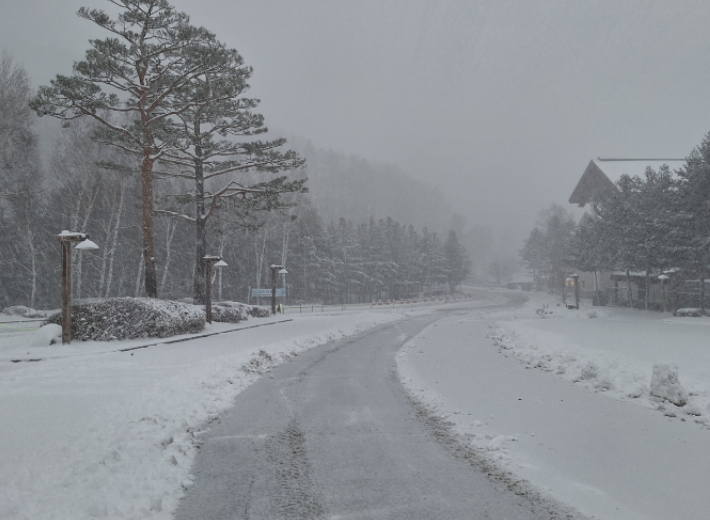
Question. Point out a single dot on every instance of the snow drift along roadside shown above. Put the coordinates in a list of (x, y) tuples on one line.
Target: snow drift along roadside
[(655, 385)]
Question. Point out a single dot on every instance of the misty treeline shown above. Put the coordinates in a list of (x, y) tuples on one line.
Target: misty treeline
[(655, 224), (353, 188), (88, 186)]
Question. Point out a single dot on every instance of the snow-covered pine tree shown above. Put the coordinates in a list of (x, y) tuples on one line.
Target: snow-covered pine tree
[(137, 70), (219, 153)]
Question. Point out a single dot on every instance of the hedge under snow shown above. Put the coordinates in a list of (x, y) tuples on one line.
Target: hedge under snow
[(234, 312), (21, 310), (133, 318)]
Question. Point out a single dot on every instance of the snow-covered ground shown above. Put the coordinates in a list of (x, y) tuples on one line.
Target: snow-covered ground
[(89, 431), (563, 399), (558, 398)]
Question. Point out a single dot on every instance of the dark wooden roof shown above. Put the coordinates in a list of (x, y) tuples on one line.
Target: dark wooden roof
[(592, 182)]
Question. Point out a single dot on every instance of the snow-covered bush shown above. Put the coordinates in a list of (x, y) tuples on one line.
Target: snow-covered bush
[(258, 312), (25, 312), (233, 312), (665, 384), (689, 313), (229, 312), (131, 318)]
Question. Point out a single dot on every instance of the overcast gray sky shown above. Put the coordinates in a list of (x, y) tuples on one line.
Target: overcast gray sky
[(502, 103)]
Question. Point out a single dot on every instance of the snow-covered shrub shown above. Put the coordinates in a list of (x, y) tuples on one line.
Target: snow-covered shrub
[(25, 312), (229, 312), (258, 312), (131, 318), (689, 312), (666, 385)]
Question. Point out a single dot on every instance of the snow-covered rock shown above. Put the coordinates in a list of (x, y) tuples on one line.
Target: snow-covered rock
[(47, 335)]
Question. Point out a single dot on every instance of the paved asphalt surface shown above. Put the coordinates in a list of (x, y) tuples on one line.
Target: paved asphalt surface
[(331, 434)]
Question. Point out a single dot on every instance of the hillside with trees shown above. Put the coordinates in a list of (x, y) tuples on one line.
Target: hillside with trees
[(356, 189)]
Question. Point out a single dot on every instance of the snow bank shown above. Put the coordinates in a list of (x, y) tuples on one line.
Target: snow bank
[(131, 318), (549, 421), (616, 355)]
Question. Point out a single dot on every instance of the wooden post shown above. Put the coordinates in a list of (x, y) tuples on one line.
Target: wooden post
[(208, 291), (273, 289), (575, 277), (66, 238), (66, 292), (674, 293), (209, 262)]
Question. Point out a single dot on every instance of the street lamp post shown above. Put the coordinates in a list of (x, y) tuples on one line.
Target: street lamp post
[(283, 272), (573, 281), (66, 238), (218, 262), (663, 278), (274, 268)]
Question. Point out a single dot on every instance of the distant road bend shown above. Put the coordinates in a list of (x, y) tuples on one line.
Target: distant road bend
[(333, 435)]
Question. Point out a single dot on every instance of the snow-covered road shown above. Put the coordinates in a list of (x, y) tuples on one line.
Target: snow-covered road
[(519, 398), (331, 434), (90, 432)]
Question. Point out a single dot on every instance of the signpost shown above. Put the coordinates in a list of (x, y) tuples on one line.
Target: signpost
[(266, 293)]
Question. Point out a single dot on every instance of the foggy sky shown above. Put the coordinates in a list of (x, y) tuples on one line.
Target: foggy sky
[(500, 103)]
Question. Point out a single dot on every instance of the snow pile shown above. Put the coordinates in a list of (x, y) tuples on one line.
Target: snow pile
[(665, 384), (131, 318), (553, 353), (22, 311), (46, 335)]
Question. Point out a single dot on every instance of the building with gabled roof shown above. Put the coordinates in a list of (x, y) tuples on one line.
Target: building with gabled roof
[(601, 174)]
